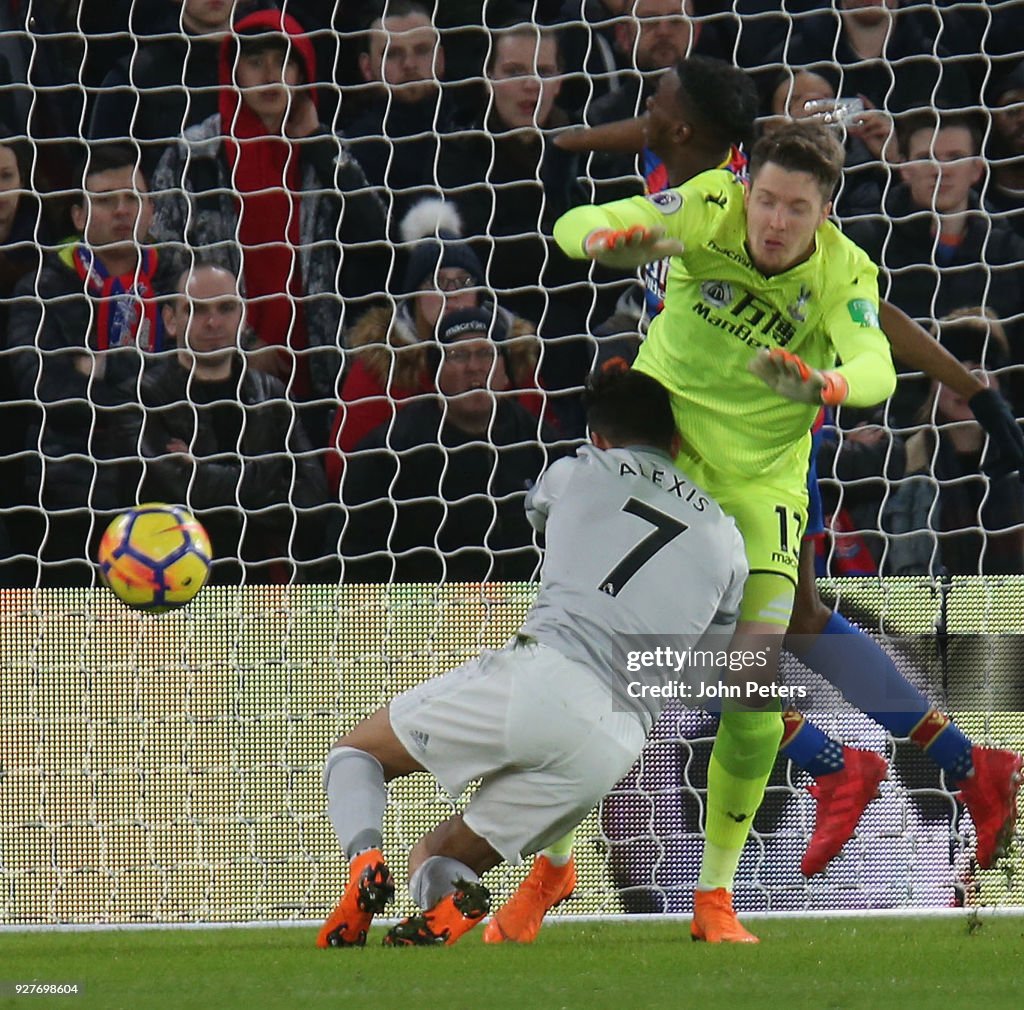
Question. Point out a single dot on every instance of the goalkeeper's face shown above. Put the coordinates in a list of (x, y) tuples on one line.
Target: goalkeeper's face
[(784, 210)]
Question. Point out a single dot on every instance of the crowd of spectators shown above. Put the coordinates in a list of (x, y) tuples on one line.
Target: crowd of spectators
[(290, 264)]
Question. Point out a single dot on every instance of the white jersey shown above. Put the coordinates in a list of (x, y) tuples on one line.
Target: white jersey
[(634, 549)]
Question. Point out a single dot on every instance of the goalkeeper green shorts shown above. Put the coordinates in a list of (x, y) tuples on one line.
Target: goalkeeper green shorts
[(772, 523)]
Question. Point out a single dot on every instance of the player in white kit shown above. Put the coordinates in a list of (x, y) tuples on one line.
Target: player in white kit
[(552, 721)]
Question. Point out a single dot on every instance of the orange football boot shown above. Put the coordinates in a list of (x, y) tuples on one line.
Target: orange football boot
[(370, 888), (714, 919), (545, 886), (453, 916)]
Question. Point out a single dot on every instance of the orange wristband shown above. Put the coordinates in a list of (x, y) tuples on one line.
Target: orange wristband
[(835, 390)]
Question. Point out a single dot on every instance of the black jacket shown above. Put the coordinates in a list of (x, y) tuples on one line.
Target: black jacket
[(510, 193), (914, 70), (396, 144), (428, 502), (168, 85), (987, 268), (249, 451), (80, 431)]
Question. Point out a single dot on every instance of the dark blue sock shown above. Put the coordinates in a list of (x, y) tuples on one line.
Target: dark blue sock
[(867, 677), (810, 749)]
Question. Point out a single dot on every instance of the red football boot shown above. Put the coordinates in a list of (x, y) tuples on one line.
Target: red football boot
[(840, 801), (990, 793)]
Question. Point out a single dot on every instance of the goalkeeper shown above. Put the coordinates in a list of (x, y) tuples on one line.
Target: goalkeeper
[(762, 290), (658, 555), (703, 107)]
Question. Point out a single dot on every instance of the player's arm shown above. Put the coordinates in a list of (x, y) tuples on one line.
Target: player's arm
[(548, 489), (915, 347), (853, 327), (626, 233), (912, 345), (866, 375), (625, 136)]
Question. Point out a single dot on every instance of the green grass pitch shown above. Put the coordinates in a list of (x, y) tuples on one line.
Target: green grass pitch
[(875, 963)]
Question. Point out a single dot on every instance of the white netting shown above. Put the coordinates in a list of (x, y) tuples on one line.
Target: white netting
[(167, 769)]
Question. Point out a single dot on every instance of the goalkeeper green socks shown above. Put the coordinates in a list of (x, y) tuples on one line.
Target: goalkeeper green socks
[(741, 761), (559, 853)]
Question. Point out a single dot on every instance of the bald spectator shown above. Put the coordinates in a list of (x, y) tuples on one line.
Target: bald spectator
[(223, 439)]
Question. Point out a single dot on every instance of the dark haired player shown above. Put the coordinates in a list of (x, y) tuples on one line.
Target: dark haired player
[(700, 108), (621, 522)]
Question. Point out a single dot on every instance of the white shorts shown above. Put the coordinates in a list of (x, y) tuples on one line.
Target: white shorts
[(537, 728)]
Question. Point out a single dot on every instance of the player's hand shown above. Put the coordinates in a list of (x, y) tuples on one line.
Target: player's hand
[(628, 248), (792, 378), (994, 415)]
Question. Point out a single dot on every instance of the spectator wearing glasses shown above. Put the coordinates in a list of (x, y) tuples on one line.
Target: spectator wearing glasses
[(437, 494), (389, 350)]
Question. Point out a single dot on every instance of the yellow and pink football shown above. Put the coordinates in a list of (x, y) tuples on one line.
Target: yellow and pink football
[(155, 557)]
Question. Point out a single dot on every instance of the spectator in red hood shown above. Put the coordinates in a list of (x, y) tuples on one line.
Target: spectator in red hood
[(265, 173)]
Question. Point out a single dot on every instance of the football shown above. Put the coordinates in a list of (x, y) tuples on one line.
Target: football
[(155, 557)]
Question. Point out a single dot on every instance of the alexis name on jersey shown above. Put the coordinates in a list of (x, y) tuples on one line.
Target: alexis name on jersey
[(670, 481)]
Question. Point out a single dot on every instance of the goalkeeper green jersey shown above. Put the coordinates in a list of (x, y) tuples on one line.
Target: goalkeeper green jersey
[(720, 310)]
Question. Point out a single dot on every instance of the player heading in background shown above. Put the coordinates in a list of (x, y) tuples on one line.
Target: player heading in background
[(546, 722)]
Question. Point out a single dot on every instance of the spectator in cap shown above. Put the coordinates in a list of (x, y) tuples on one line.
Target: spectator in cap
[(1004, 196), (436, 494), (389, 350)]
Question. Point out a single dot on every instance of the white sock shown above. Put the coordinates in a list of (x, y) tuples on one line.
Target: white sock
[(356, 797), (435, 878)]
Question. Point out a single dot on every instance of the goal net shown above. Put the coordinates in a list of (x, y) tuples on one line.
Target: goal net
[(167, 769)]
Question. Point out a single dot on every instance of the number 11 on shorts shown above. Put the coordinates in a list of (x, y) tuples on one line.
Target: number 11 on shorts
[(789, 534)]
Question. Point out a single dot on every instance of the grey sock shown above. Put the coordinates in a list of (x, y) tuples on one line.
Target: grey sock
[(435, 878), (356, 797)]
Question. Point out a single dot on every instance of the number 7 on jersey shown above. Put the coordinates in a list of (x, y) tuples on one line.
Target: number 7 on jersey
[(666, 529)]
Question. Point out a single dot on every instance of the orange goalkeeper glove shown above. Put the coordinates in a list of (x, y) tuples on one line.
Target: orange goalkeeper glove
[(628, 248), (792, 378)]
